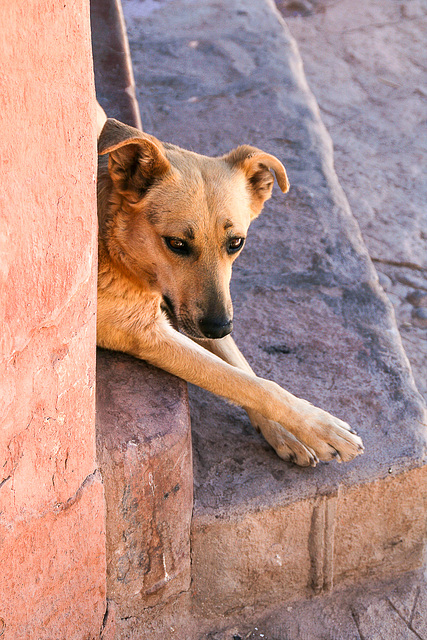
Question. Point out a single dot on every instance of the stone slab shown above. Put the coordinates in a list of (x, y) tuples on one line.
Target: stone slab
[(144, 453), (254, 559), (309, 311), (374, 610), (362, 64), (274, 555), (380, 527)]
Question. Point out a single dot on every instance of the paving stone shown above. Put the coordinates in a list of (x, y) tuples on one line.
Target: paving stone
[(115, 86), (381, 609), (417, 298), (362, 612), (419, 317), (418, 618), (410, 603)]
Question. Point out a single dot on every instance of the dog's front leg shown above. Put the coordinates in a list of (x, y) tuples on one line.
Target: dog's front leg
[(327, 436), (287, 446)]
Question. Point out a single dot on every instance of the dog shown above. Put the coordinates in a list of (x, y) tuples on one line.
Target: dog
[(171, 224)]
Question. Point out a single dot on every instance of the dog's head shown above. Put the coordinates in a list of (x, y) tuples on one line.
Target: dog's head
[(181, 219)]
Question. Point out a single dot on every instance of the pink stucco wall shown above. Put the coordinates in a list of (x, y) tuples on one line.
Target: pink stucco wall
[(52, 558)]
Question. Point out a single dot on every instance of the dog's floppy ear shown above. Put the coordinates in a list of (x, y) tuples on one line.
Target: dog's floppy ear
[(136, 159), (257, 165)]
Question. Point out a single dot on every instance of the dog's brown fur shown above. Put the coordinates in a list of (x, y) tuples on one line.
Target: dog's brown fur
[(169, 221)]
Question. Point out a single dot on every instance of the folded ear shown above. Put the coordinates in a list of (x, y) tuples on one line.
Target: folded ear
[(257, 165), (135, 160)]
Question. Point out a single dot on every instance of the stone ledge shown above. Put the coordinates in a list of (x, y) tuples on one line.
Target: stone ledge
[(273, 555), (144, 453)]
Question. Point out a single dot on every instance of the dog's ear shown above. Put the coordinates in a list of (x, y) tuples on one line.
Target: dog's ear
[(257, 165), (135, 160)]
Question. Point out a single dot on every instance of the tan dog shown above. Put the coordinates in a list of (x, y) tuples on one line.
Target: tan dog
[(171, 224)]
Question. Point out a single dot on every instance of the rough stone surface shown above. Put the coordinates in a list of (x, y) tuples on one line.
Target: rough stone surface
[(271, 547), (380, 527), (277, 554), (53, 570), (309, 311), (392, 610), (52, 544), (363, 62), (144, 453)]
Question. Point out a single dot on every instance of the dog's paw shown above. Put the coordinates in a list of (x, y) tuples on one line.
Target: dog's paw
[(329, 437), (286, 445)]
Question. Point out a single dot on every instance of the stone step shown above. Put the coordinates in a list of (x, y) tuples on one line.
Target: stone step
[(309, 313)]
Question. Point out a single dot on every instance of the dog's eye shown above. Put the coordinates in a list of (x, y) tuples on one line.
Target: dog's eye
[(177, 246), (235, 244)]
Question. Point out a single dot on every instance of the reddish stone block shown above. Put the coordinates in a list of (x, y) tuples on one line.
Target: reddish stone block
[(48, 430), (144, 453), (48, 243)]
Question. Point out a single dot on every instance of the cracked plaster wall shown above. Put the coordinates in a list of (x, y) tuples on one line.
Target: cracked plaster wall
[(52, 546)]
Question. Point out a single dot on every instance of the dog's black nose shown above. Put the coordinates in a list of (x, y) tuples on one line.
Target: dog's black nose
[(215, 327)]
